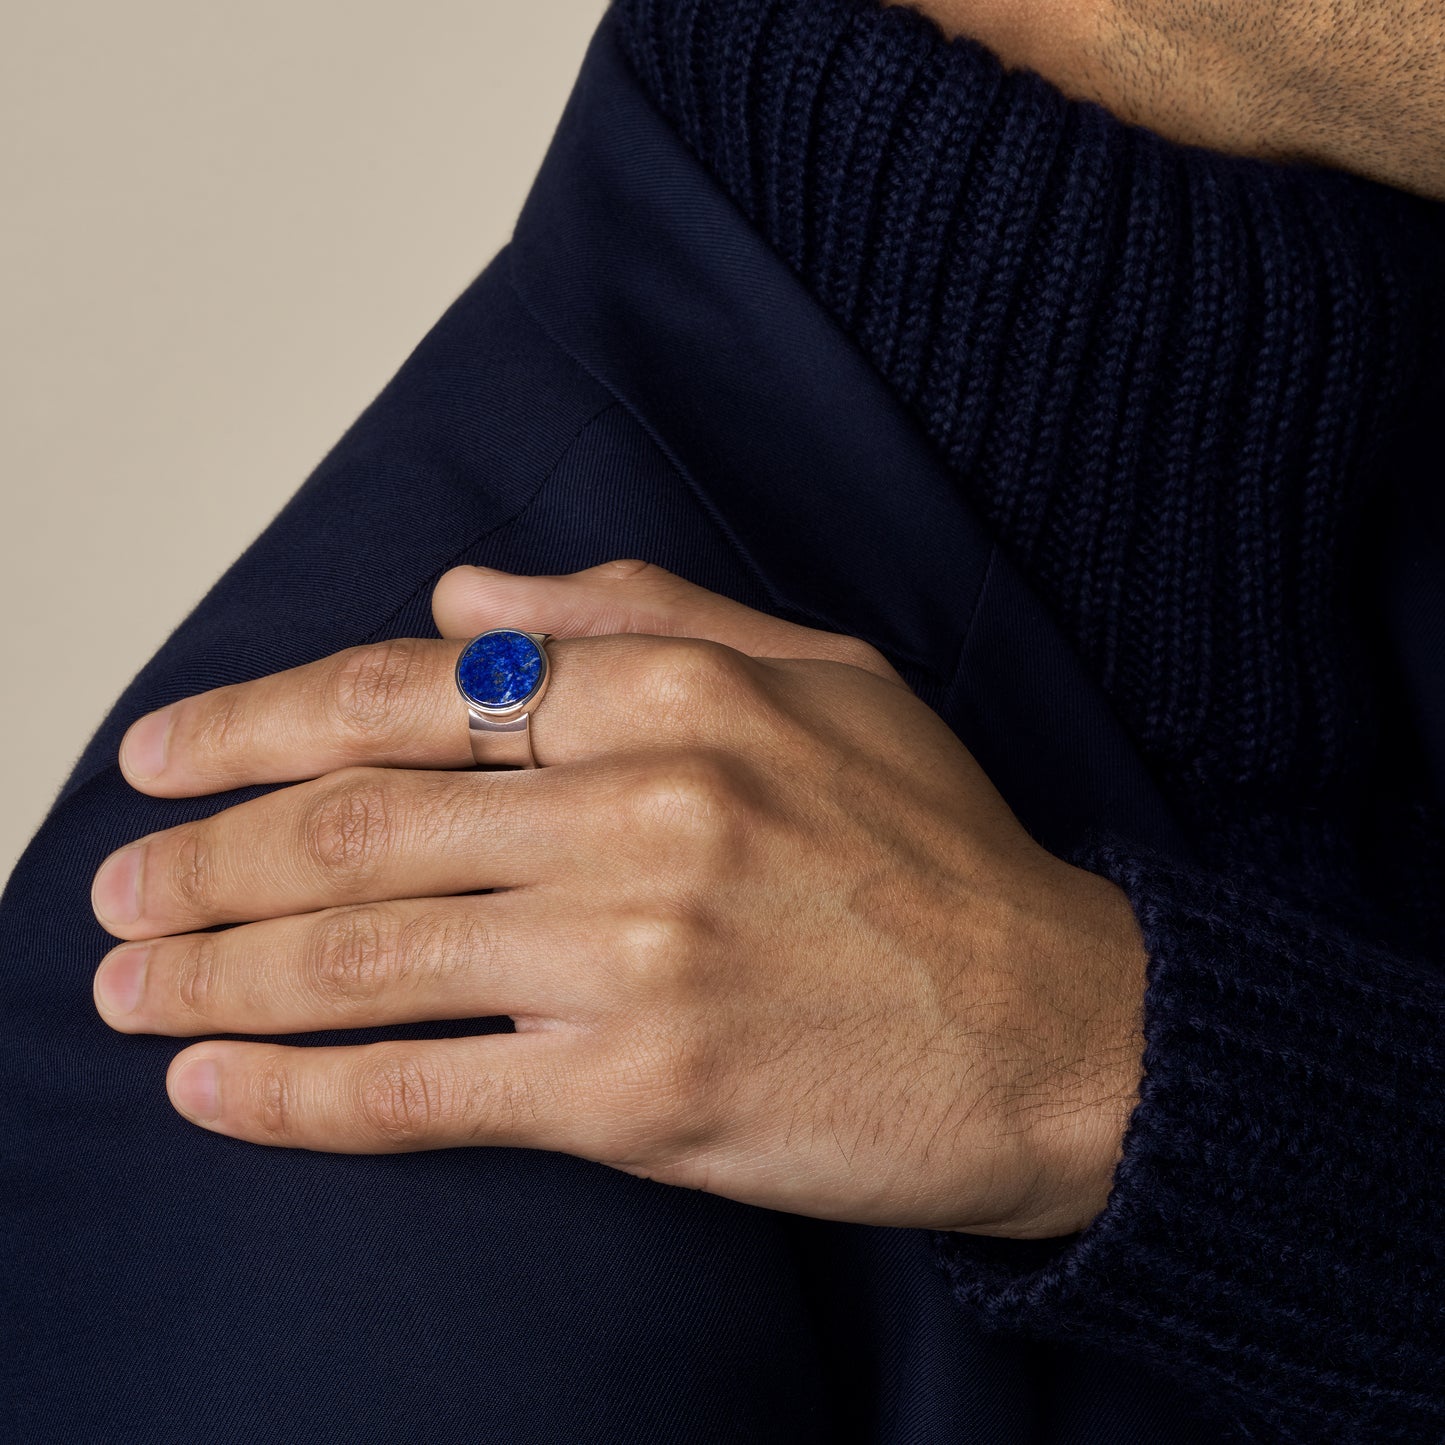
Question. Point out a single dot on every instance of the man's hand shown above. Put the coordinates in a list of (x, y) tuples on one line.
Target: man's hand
[(763, 925), (1353, 84)]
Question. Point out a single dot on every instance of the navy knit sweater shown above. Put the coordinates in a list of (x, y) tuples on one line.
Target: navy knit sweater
[(1164, 377)]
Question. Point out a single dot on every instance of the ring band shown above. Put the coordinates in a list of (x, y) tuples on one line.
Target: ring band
[(501, 675)]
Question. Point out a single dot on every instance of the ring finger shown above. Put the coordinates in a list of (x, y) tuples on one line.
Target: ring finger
[(395, 704)]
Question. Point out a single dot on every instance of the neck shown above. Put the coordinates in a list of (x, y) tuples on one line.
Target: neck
[(1355, 87)]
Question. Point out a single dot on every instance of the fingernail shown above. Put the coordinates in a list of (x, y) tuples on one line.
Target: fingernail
[(488, 571), (115, 894), (143, 752), (197, 1091), (121, 979)]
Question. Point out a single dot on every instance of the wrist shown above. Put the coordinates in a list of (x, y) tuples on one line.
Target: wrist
[(1075, 1137)]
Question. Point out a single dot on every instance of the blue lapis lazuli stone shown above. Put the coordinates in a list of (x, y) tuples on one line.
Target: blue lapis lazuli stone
[(499, 669)]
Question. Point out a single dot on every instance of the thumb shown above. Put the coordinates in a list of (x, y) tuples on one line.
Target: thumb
[(631, 596)]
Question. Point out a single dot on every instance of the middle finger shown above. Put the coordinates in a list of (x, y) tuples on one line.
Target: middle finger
[(356, 836)]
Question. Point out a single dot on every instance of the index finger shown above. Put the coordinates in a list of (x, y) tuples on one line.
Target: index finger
[(395, 704)]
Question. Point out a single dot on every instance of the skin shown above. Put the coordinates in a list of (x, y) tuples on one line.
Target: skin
[(1358, 85), (763, 925)]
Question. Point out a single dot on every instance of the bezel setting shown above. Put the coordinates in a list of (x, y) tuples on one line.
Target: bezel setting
[(478, 650)]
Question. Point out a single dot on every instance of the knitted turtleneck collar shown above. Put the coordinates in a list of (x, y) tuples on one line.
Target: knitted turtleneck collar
[(1159, 373)]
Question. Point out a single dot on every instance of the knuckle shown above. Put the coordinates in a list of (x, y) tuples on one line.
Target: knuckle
[(698, 799), (192, 870), (688, 1070), (350, 955), (196, 975), (658, 1093), (450, 815), (660, 951), (856, 653), (274, 1096), (368, 681), (689, 788), (401, 1099), (346, 827), (431, 946), (687, 677), (630, 569), (670, 1090), (219, 728), (632, 1107)]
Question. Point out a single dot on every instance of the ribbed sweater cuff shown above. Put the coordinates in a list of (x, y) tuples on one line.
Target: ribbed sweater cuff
[(1273, 1234)]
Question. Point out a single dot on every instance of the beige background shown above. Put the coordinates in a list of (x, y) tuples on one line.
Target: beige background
[(224, 227)]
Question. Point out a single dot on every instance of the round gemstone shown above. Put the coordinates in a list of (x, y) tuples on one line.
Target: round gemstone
[(500, 669)]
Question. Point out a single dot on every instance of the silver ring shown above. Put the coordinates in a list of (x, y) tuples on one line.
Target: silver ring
[(501, 675)]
